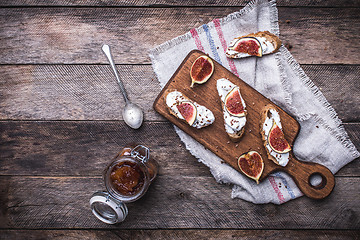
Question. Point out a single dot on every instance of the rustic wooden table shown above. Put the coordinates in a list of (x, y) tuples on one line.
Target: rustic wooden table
[(61, 124)]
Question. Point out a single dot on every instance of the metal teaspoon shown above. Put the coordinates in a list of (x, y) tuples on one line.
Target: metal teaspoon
[(132, 113)]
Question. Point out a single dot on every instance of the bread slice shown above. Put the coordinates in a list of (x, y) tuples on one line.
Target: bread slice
[(224, 86), (235, 137), (267, 116), (269, 42), (204, 117)]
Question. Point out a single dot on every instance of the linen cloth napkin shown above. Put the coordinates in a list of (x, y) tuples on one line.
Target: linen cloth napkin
[(279, 77)]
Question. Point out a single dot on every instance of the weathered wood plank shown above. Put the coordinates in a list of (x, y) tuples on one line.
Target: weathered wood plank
[(74, 92), (340, 85), (74, 35), (167, 3), (77, 92), (171, 202), (179, 234), (84, 148)]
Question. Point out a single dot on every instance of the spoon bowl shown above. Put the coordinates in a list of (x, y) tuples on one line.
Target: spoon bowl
[(132, 113)]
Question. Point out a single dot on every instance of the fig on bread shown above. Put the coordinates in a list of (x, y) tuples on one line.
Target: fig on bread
[(182, 107), (254, 44), (234, 108), (277, 147)]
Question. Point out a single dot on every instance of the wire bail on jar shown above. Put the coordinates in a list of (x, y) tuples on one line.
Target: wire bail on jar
[(136, 153)]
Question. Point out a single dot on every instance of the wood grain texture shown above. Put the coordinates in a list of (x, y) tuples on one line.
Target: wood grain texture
[(340, 85), (84, 148), (172, 3), (74, 92), (196, 202), (74, 35), (177, 234), (77, 92)]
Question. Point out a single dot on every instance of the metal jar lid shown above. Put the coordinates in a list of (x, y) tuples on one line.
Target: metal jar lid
[(108, 209)]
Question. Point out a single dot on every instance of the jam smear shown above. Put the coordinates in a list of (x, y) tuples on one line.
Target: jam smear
[(127, 178)]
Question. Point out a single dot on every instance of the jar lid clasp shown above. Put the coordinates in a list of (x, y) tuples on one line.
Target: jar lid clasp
[(135, 152)]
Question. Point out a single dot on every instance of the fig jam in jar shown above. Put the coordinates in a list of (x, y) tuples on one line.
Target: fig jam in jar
[(126, 179)]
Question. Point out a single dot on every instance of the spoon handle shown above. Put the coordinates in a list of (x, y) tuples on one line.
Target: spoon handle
[(106, 50)]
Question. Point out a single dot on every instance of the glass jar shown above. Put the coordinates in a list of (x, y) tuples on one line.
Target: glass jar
[(126, 179)]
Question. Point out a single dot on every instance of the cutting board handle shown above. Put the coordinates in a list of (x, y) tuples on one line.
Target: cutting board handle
[(303, 171)]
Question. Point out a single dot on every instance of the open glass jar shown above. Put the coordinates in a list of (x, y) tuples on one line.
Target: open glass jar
[(126, 179)]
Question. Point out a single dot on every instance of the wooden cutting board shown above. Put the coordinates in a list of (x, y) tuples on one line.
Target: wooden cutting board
[(215, 138)]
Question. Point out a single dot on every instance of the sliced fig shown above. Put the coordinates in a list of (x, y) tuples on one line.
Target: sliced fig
[(277, 141), (234, 104), (248, 45), (201, 70), (188, 111), (252, 165)]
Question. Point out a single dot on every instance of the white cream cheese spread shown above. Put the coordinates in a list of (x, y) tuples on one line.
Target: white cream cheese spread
[(267, 47), (281, 158), (233, 124), (204, 116)]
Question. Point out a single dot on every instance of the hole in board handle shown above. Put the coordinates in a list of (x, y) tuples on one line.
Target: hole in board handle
[(317, 180)]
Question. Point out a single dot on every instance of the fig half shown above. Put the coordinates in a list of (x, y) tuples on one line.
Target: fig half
[(201, 70), (248, 45), (188, 111), (252, 165), (234, 104), (277, 141)]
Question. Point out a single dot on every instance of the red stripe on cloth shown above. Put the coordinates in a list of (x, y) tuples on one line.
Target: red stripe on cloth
[(196, 37), (277, 190), (224, 45)]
